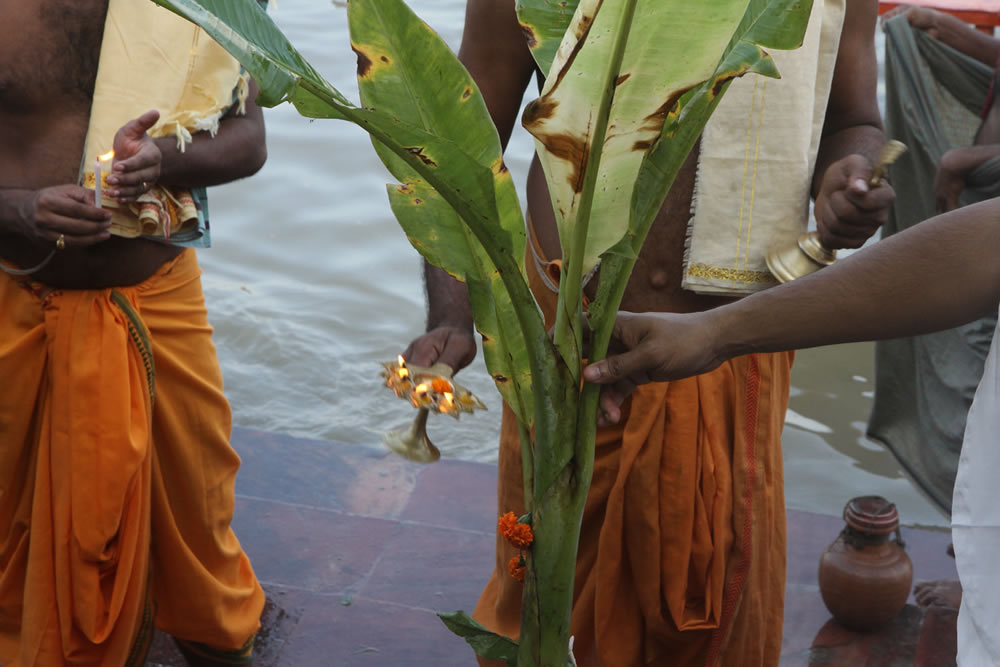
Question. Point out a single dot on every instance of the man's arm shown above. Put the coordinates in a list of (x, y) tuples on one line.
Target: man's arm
[(848, 211), (495, 53), (955, 166), (236, 151), (954, 32), (932, 276)]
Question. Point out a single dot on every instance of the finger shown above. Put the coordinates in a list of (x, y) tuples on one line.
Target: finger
[(421, 353), (147, 157), (139, 126), (609, 411), (74, 232), (77, 204), (136, 184), (615, 368), (874, 199)]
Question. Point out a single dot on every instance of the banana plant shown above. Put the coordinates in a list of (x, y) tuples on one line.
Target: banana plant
[(629, 87)]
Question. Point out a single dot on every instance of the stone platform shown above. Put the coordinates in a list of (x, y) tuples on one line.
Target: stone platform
[(358, 549)]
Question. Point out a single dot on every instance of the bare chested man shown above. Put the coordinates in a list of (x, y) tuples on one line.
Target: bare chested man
[(654, 544), (123, 508)]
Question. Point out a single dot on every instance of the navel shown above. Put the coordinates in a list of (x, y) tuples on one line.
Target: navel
[(658, 279)]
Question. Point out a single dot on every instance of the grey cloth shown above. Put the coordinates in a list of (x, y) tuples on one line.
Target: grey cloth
[(924, 385)]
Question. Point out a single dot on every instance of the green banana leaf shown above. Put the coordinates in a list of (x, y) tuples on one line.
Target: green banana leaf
[(620, 70), (777, 24), (544, 23), (406, 69), (416, 134)]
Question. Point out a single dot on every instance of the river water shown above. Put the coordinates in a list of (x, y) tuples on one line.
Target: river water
[(311, 283)]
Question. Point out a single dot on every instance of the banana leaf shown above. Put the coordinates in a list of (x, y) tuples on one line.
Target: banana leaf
[(418, 132), (406, 69)]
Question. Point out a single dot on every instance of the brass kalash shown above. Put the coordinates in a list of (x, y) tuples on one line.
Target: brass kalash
[(809, 254)]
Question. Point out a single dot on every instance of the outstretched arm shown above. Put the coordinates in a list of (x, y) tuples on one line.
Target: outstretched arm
[(497, 57), (935, 275), (848, 210)]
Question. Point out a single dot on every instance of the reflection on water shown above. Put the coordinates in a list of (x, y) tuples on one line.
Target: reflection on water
[(311, 283)]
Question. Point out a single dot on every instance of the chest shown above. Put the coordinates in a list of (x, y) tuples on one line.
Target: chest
[(49, 54)]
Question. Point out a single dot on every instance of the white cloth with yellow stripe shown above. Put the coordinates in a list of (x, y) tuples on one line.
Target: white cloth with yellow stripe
[(153, 59), (757, 157)]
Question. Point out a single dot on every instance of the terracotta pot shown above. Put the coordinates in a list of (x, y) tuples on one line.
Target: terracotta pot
[(865, 574)]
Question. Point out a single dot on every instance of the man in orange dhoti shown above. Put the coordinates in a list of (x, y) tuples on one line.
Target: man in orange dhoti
[(116, 473), (682, 551)]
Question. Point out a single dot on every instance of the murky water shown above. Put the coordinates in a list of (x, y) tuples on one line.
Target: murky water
[(311, 283)]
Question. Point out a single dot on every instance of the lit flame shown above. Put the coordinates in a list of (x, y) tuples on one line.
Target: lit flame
[(400, 361), (421, 388), (109, 155), (403, 372), (447, 400)]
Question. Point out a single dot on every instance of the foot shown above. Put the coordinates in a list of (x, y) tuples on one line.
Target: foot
[(196, 660), (939, 593)]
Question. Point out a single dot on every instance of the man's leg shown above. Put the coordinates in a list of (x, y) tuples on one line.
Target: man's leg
[(204, 587)]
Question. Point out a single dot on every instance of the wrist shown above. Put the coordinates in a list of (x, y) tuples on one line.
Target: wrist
[(13, 204)]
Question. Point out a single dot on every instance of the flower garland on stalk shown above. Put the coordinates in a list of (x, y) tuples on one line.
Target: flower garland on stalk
[(518, 532)]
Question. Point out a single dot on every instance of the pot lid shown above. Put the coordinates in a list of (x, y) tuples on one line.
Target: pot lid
[(871, 514)]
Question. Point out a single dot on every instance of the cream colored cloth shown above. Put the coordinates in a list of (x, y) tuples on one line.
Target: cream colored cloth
[(757, 157), (975, 523), (153, 59)]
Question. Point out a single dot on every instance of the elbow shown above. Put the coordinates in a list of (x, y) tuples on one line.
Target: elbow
[(255, 159)]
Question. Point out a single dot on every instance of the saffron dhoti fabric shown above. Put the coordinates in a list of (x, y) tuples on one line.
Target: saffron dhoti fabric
[(682, 550), (116, 475)]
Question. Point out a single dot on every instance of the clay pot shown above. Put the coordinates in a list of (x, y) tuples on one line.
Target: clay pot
[(865, 574)]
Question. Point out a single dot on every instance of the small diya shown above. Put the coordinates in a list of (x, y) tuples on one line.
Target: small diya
[(427, 389)]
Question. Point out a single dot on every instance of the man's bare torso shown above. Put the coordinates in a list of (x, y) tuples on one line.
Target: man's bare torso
[(655, 284), (48, 66)]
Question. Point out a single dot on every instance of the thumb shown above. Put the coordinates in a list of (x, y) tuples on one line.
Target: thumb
[(142, 124), (614, 368), (859, 172)]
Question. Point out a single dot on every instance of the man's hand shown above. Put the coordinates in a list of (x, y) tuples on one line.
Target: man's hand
[(445, 344), (848, 210), (651, 347), (67, 211), (137, 158), (949, 181), (921, 18)]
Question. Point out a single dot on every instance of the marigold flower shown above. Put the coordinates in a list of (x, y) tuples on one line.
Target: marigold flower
[(440, 386), (518, 534), (517, 567)]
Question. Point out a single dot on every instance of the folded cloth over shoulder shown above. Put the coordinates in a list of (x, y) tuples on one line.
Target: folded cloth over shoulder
[(153, 59), (756, 162)]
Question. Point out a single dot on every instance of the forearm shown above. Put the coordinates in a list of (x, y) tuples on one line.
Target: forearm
[(12, 201), (939, 274), (960, 36), (966, 158), (237, 150), (207, 160), (447, 300)]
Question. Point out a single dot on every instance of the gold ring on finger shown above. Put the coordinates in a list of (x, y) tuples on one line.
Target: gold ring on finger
[(61, 242)]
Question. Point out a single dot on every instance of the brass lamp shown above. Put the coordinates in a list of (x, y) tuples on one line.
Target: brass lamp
[(809, 254)]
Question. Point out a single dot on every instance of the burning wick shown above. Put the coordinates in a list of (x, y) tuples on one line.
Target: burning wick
[(448, 404), (101, 164)]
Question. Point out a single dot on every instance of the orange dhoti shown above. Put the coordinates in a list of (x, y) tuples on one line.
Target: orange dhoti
[(116, 476), (682, 548)]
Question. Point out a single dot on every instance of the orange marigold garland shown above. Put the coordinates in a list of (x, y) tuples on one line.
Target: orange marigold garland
[(517, 566), (519, 534)]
